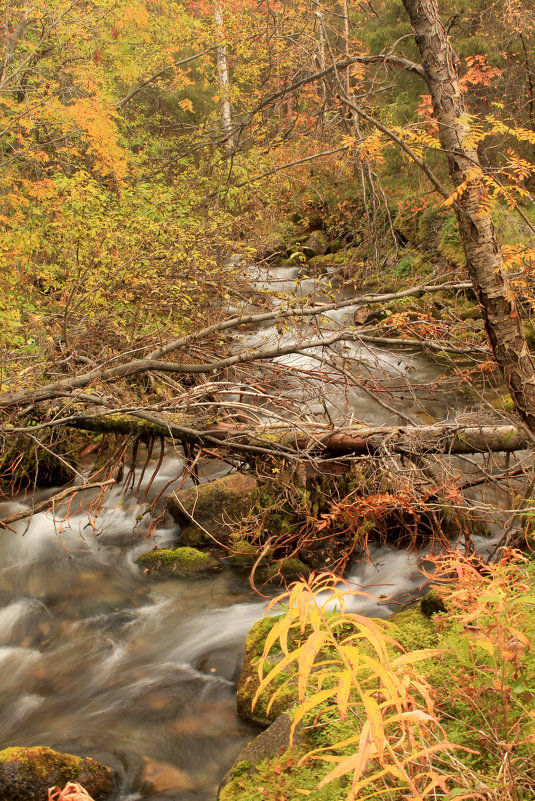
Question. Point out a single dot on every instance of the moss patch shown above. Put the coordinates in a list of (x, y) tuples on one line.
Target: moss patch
[(27, 773), (242, 554), (286, 570), (195, 537), (249, 681), (412, 628), (182, 561)]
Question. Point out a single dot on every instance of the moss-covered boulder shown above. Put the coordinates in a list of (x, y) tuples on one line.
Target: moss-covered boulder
[(27, 773), (195, 537), (242, 554), (272, 248), (212, 506), (268, 760), (316, 244), (264, 748), (182, 561), (268, 769), (249, 680), (412, 628), (283, 570)]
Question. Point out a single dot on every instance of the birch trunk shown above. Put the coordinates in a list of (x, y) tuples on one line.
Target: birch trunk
[(224, 80), (485, 262)]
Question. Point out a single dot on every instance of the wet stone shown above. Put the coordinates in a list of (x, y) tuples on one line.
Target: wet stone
[(179, 561), (211, 506), (27, 773)]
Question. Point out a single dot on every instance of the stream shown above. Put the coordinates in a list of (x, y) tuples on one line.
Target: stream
[(98, 658)]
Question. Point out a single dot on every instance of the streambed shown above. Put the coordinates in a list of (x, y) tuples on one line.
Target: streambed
[(99, 658)]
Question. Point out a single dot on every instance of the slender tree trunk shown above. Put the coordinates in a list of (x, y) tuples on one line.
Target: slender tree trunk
[(224, 80), (485, 263)]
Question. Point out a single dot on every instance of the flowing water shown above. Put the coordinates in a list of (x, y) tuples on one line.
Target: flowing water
[(99, 658)]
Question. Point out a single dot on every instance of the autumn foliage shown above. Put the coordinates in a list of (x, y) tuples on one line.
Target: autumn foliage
[(71, 792), (452, 721)]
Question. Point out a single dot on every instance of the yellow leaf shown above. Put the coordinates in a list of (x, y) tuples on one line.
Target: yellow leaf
[(343, 692), (375, 722), (356, 762), (415, 656), (307, 706), (307, 655), (186, 105)]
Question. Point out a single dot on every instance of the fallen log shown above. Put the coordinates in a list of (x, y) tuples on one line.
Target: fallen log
[(300, 442)]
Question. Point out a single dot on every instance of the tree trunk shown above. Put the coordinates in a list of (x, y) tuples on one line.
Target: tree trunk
[(224, 81), (446, 439), (485, 263)]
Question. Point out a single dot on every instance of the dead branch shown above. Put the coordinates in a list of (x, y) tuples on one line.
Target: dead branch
[(50, 503), (154, 363)]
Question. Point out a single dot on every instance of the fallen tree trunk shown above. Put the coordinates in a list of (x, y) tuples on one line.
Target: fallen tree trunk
[(300, 442)]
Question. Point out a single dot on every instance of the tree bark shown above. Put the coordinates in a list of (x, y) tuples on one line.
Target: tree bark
[(297, 443), (224, 80), (485, 263)]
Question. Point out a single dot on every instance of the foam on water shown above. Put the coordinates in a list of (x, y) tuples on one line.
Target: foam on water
[(18, 618)]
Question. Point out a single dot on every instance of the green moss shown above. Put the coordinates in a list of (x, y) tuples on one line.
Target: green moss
[(279, 776), (182, 560), (249, 681), (287, 569), (243, 554), (467, 309), (25, 773), (42, 761), (413, 629), (529, 333), (462, 673), (449, 245), (504, 403), (194, 536), (240, 768), (210, 505)]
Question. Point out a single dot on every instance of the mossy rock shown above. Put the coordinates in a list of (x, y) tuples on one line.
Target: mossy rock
[(432, 604), (214, 504), (266, 747), (27, 773), (268, 769), (529, 333), (181, 561), (272, 247), (413, 627), (504, 403), (316, 244), (249, 680), (335, 246), (284, 570), (242, 554), (195, 537), (469, 311)]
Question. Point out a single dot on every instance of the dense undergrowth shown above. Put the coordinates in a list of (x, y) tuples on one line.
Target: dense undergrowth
[(429, 704)]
